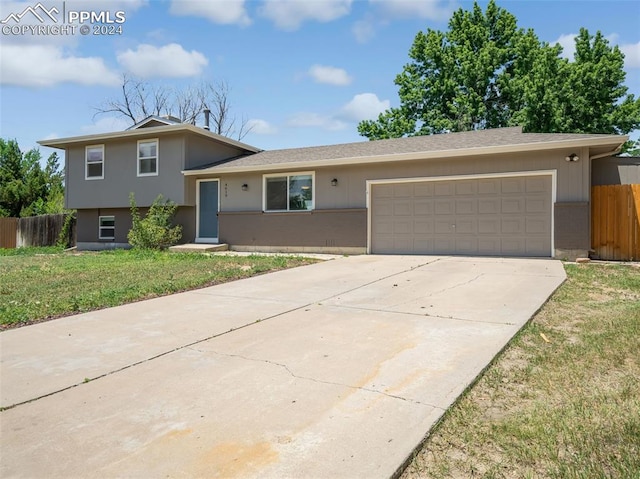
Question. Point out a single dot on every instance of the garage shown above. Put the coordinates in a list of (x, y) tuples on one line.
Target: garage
[(501, 215)]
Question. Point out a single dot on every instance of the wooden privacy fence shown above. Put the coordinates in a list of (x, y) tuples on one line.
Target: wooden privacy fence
[(41, 230), (615, 222), (8, 232)]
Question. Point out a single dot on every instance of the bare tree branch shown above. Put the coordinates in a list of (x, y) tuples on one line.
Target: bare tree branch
[(140, 99)]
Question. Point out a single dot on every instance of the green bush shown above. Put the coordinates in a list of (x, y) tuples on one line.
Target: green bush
[(155, 231)]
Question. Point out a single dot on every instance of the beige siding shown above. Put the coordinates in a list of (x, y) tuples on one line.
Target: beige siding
[(572, 178)]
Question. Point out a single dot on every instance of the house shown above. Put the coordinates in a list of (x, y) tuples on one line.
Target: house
[(617, 170), (490, 192)]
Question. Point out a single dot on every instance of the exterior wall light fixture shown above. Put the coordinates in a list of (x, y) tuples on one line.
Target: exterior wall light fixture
[(572, 157), (245, 187), (334, 182)]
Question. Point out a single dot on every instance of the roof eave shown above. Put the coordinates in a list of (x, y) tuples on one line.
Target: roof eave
[(412, 156), (62, 143)]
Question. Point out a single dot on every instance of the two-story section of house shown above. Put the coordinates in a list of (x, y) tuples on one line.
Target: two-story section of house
[(102, 170)]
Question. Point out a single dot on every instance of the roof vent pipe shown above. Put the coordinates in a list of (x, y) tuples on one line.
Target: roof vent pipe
[(206, 112)]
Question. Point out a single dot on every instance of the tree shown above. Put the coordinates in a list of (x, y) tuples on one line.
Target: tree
[(139, 100), (25, 188), (485, 72)]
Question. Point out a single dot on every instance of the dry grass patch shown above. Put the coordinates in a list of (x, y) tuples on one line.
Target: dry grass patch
[(568, 408)]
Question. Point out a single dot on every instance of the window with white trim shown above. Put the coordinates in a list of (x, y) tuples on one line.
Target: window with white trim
[(148, 157), (94, 162), (107, 227), (290, 192)]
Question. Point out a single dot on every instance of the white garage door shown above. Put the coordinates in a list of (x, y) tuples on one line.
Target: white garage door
[(501, 216)]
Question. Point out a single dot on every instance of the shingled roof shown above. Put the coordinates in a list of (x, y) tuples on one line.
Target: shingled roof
[(416, 147)]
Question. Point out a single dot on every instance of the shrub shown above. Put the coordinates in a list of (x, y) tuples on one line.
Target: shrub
[(155, 231)]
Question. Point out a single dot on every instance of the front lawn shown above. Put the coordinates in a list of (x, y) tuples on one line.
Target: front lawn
[(43, 283)]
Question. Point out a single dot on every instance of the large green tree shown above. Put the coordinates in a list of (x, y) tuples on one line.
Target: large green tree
[(485, 72), (26, 189)]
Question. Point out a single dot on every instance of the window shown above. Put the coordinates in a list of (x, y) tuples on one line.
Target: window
[(288, 192), (107, 228), (147, 157), (94, 162)]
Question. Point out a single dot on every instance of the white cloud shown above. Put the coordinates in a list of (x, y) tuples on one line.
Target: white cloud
[(260, 127), (106, 124), (315, 120), (168, 61), (631, 50), (631, 54), (290, 14), (365, 106), (330, 75), (429, 9), (227, 12), (46, 65), (364, 30), (568, 44)]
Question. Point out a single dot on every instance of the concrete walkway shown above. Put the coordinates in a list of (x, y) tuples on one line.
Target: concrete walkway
[(337, 369)]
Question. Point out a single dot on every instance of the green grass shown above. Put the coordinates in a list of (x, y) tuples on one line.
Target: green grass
[(568, 408), (42, 283)]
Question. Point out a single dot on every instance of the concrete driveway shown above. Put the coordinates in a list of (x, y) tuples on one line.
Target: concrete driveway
[(337, 369)]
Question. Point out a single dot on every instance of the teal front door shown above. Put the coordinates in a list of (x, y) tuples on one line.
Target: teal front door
[(207, 211)]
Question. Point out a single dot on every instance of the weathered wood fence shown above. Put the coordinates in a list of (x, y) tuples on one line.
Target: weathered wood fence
[(41, 230), (615, 222)]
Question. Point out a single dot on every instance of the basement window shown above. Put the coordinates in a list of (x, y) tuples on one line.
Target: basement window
[(107, 228), (289, 192), (94, 162)]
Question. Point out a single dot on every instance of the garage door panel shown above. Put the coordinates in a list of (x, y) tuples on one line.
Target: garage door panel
[(444, 207), (512, 225), (466, 225), (423, 190), (489, 186), (489, 206), (537, 205), (489, 245), (443, 227), (512, 186), (512, 205), (466, 188), (422, 227), (382, 191), (402, 208), (423, 244), (403, 190), (486, 216), (512, 246), (444, 245), (442, 188), (488, 226), (423, 207), (536, 184), (536, 226), (466, 245), (467, 206), (403, 227)]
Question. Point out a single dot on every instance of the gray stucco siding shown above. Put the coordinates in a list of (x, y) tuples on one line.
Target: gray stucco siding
[(121, 175)]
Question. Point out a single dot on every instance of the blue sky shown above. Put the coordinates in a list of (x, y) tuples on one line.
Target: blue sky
[(301, 72)]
